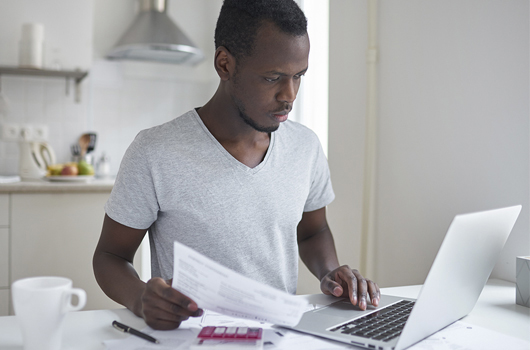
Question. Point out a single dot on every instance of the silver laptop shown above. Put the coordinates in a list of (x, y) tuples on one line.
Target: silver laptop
[(457, 276)]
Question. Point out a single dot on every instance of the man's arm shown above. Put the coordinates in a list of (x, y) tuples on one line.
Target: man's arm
[(161, 306), (317, 251)]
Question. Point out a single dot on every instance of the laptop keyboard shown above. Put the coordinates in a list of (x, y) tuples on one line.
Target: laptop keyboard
[(384, 324)]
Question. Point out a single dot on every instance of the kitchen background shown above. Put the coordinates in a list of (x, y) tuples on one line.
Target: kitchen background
[(118, 99), (452, 111)]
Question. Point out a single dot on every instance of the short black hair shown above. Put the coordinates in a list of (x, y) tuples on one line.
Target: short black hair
[(239, 21)]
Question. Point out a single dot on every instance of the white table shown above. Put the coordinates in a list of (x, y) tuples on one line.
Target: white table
[(496, 308), (86, 330)]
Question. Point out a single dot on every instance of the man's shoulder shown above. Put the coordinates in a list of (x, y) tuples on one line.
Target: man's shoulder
[(175, 130)]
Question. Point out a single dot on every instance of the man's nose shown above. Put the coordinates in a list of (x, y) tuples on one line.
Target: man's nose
[(288, 91)]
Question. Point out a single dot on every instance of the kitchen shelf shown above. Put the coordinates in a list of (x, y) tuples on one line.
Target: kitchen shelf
[(76, 75)]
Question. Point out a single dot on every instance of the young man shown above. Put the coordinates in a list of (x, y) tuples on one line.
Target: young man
[(234, 179)]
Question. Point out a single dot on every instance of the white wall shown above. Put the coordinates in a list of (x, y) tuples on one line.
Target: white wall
[(67, 24), (453, 125), (347, 109)]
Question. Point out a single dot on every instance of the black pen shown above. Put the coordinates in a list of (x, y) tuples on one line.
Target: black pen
[(127, 329)]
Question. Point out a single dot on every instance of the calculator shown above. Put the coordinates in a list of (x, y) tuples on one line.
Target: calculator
[(229, 338)]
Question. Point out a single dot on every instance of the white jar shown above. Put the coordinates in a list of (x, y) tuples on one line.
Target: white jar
[(31, 46), (103, 167)]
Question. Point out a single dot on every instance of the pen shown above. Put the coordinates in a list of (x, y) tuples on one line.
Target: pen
[(126, 329)]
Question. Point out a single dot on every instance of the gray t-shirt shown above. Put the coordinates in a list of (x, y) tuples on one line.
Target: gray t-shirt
[(177, 181)]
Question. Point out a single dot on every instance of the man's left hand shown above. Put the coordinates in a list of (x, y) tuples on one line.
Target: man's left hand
[(347, 283)]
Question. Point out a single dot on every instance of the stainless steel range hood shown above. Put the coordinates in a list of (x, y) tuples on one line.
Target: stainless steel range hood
[(154, 37)]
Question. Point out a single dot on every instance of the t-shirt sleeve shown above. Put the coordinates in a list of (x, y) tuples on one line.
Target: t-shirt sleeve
[(321, 192), (133, 201)]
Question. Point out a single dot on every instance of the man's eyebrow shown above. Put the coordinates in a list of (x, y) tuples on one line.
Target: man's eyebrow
[(302, 71), (284, 74)]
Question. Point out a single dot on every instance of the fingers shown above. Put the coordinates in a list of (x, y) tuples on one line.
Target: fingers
[(362, 289), (366, 289), (331, 284), (345, 282), (341, 282), (164, 307), (374, 292)]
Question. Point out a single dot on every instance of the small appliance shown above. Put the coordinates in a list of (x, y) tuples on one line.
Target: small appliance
[(35, 156)]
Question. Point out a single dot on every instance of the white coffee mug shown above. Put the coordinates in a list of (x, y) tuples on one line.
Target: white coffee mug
[(41, 304)]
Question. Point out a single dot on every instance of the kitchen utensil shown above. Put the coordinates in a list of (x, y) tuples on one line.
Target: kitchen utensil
[(87, 142), (35, 157), (76, 150), (84, 141), (92, 143)]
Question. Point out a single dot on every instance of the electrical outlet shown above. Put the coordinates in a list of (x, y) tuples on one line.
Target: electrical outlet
[(26, 133), (40, 132), (23, 132), (10, 132)]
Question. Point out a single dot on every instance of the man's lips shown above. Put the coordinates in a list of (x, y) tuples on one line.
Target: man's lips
[(281, 116)]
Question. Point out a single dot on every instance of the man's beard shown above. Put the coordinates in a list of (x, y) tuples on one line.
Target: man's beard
[(250, 122)]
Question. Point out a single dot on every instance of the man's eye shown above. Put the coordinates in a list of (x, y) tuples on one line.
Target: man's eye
[(272, 80)]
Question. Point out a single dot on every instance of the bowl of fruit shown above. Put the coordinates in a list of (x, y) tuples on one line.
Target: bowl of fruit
[(72, 171)]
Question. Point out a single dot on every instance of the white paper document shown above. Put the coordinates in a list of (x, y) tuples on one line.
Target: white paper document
[(217, 288)]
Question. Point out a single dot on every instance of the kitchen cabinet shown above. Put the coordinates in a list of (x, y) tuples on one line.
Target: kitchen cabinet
[(56, 234), (52, 233)]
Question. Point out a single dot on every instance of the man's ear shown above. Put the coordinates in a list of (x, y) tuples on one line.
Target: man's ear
[(224, 63)]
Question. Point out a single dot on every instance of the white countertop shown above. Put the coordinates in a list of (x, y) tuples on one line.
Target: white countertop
[(46, 186), (495, 309)]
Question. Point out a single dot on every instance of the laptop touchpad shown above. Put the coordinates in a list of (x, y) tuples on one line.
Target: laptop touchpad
[(340, 308)]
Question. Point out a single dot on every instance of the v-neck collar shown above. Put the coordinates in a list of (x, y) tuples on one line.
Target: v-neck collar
[(230, 157)]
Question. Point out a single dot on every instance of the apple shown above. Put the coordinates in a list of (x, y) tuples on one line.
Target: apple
[(85, 168), (69, 170)]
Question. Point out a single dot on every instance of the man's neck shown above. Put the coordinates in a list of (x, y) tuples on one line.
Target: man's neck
[(243, 142)]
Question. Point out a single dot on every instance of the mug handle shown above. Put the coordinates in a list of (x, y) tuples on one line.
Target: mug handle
[(81, 295)]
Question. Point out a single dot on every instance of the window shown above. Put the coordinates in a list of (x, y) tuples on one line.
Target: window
[(311, 105)]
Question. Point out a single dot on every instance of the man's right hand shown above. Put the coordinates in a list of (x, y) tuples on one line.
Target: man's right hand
[(163, 307)]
